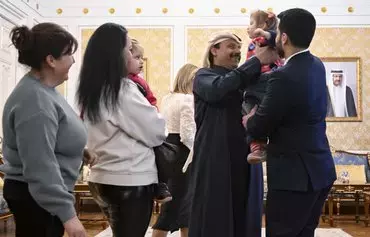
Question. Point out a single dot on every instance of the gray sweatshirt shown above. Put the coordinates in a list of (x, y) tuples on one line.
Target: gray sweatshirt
[(43, 145)]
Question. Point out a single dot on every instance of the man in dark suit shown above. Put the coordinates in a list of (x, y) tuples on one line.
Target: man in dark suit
[(300, 168)]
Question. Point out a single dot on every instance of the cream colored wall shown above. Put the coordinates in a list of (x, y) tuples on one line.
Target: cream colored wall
[(173, 35), (348, 42), (328, 42), (157, 44), (157, 51), (197, 40)]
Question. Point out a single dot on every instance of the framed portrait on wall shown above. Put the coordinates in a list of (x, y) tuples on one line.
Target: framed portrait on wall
[(343, 81)]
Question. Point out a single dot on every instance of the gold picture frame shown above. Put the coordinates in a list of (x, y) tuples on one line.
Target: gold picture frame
[(344, 100)]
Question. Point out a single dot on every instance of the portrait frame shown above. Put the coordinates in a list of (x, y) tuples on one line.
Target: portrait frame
[(350, 67)]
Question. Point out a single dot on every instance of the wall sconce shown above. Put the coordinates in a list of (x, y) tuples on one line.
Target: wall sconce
[(243, 10), (164, 10), (59, 11), (85, 11), (270, 9), (324, 9), (138, 10), (351, 9), (217, 10), (191, 10)]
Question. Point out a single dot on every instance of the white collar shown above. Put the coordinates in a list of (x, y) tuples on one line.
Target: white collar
[(291, 56)]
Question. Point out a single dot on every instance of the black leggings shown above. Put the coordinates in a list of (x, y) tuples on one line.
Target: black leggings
[(30, 219), (128, 208)]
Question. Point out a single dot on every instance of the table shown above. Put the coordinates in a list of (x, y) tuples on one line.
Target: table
[(350, 193), (367, 206), (81, 192)]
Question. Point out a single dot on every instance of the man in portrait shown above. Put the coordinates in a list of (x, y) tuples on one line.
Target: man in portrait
[(341, 102)]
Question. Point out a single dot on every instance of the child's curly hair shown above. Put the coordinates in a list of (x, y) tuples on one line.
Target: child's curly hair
[(265, 17)]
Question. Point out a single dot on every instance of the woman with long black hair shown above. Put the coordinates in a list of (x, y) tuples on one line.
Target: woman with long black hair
[(123, 128)]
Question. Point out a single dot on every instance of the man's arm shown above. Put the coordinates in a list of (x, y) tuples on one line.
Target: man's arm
[(212, 87), (273, 107)]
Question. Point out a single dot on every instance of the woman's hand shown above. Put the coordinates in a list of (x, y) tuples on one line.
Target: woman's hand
[(90, 157), (74, 228)]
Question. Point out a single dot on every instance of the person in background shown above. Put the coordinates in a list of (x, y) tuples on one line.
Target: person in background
[(341, 102), (44, 139), (123, 127), (178, 110)]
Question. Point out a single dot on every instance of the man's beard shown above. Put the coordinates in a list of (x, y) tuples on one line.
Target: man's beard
[(337, 82), (280, 50)]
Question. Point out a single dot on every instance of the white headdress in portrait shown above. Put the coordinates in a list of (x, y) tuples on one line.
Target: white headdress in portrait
[(215, 39), (338, 94)]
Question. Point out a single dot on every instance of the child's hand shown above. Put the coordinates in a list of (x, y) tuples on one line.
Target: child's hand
[(255, 147), (261, 33)]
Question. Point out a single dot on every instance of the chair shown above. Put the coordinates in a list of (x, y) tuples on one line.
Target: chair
[(5, 213), (356, 165), (353, 180)]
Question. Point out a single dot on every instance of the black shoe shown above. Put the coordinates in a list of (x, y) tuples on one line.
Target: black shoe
[(161, 193)]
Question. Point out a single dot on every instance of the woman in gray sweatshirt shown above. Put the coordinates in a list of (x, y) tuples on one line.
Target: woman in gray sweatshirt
[(44, 139)]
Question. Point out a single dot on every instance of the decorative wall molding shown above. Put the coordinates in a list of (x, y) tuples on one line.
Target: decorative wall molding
[(7, 62), (193, 8), (34, 5), (11, 12)]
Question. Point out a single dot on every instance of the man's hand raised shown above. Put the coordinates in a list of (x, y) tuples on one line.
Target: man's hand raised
[(266, 55)]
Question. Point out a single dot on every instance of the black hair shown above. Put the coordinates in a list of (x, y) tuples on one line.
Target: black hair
[(299, 24), (44, 39), (102, 70)]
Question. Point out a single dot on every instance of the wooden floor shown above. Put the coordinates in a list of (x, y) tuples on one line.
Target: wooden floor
[(93, 228)]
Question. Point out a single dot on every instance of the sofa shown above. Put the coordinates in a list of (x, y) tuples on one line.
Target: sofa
[(352, 167)]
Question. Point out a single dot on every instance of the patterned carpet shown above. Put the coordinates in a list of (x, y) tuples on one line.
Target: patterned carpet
[(333, 232)]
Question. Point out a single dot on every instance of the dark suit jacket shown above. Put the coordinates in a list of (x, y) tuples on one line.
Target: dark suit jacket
[(292, 115)]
